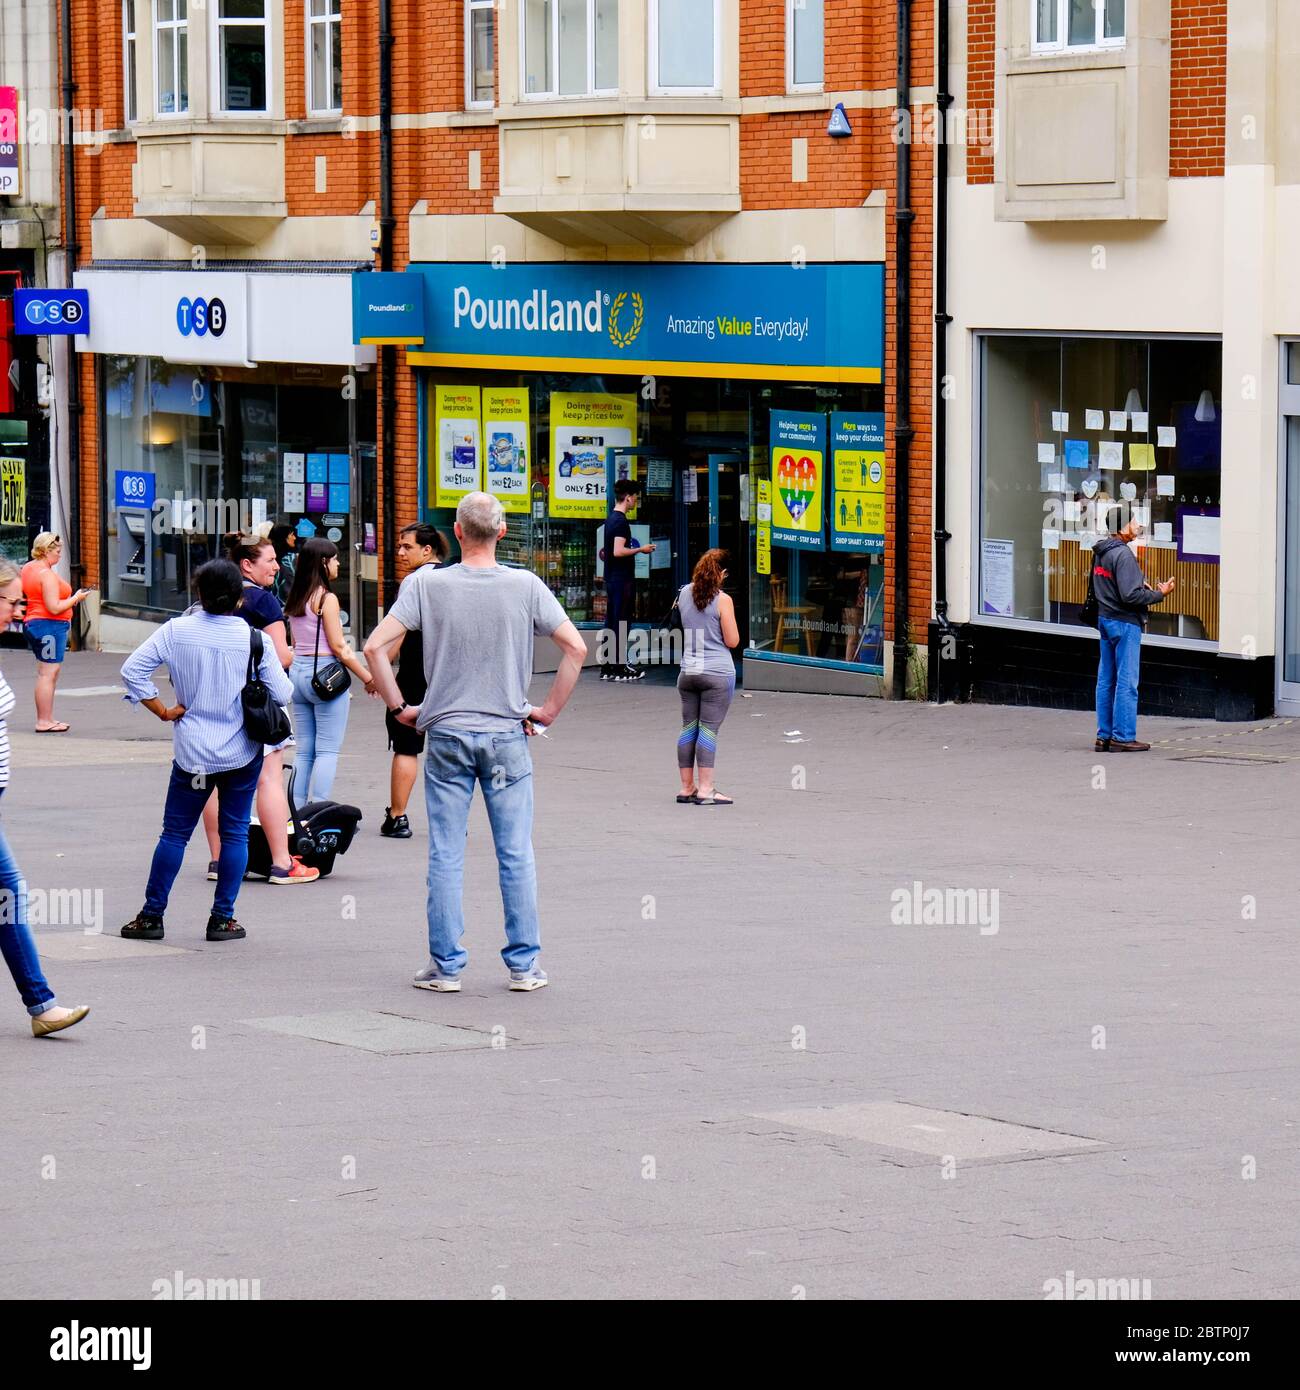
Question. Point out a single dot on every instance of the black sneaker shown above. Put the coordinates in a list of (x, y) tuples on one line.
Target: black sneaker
[(224, 929), (630, 673), (607, 673), (145, 927), (395, 827)]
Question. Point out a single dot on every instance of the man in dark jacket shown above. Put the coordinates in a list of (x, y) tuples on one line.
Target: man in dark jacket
[(1123, 597)]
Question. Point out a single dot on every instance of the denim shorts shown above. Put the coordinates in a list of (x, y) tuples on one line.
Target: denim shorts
[(48, 639)]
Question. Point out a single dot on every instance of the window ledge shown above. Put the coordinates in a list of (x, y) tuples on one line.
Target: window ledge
[(1068, 60), (324, 123), (569, 108), (223, 125)]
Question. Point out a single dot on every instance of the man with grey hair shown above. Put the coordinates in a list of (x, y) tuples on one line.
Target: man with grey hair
[(477, 621)]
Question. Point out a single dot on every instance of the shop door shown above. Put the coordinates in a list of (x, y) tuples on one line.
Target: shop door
[(728, 530), (1288, 675)]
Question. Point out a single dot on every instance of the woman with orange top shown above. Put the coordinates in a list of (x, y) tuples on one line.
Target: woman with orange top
[(47, 623)]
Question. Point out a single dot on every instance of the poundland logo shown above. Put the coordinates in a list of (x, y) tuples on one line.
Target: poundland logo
[(541, 312)]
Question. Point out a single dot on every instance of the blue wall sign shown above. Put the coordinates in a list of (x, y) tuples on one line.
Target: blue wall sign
[(388, 307), (133, 489), (52, 311), (780, 322)]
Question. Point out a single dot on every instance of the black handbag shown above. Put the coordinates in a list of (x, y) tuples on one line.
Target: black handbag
[(332, 679), (264, 720), (1090, 613)]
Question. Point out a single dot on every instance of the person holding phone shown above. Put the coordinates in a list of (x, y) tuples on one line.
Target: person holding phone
[(48, 622)]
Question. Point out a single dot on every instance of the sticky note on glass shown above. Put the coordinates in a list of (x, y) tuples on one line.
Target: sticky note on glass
[(1141, 457), (1060, 421), (1164, 484), (1142, 513), (1163, 531), (1094, 419), (1051, 540), (1076, 453), (1111, 454), (1166, 437), (1058, 482), (1138, 422), (1047, 453), (1119, 421)]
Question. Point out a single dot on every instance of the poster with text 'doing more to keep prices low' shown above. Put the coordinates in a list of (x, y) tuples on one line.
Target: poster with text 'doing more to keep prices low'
[(456, 445), (507, 446), (798, 442), (583, 426)]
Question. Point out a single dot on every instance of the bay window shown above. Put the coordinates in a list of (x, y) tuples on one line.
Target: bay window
[(685, 46), (805, 44), (570, 47), (480, 61), (171, 57), (243, 41), (1062, 24), (325, 56)]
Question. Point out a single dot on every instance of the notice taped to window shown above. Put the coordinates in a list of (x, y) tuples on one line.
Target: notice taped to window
[(13, 492)]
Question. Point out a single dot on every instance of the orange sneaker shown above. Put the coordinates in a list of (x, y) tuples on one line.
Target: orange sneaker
[(297, 872)]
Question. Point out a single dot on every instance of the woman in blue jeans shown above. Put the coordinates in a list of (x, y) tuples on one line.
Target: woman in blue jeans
[(316, 625), (16, 943), (207, 653)]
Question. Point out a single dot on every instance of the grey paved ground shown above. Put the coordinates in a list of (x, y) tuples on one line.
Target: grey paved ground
[(617, 1145)]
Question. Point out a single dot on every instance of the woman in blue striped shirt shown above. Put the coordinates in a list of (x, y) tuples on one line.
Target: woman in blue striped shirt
[(206, 653), (16, 942)]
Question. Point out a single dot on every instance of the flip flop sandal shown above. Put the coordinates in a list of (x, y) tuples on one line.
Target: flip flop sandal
[(55, 729), (717, 799), (685, 797)]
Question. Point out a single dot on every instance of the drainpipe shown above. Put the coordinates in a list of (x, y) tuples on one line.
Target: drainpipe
[(71, 248), (387, 353), (903, 431), (942, 318)]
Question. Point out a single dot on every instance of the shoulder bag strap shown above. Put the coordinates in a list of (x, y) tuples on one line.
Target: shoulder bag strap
[(254, 656), (320, 618)]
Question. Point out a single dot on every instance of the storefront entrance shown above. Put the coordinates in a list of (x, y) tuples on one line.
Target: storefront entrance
[(1288, 665)]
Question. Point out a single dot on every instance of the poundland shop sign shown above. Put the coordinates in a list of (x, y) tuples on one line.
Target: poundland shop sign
[(810, 323)]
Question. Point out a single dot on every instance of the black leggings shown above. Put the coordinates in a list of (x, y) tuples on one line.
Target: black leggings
[(706, 697)]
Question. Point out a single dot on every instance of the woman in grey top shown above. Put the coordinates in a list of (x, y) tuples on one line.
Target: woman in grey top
[(708, 678)]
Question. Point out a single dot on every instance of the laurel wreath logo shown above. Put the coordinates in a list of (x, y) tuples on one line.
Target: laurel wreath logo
[(619, 339)]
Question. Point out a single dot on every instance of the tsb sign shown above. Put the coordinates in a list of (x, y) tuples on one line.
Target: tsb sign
[(200, 317), (51, 311)]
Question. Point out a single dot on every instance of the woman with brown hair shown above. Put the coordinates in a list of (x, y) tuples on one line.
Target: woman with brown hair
[(708, 676)]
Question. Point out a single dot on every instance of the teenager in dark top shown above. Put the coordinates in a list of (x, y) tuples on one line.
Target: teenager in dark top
[(260, 609), (620, 584), (417, 545)]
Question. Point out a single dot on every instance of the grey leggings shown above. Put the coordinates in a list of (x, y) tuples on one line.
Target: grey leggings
[(706, 697)]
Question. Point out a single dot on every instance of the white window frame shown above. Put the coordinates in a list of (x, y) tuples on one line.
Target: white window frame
[(215, 26), (156, 27), (333, 24), (1062, 45), (592, 91), (790, 84), (491, 6), (130, 47), (656, 89)]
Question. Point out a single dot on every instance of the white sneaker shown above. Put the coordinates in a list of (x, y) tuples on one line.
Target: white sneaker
[(432, 977), (529, 979)]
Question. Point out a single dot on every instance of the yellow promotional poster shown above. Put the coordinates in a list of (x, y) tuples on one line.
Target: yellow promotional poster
[(763, 536), (507, 444), (13, 492), (583, 426), (798, 440), (858, 480), (456, 445)]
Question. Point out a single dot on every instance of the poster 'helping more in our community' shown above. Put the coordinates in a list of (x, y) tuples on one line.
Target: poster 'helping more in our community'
[(583, 426), (798, 443)]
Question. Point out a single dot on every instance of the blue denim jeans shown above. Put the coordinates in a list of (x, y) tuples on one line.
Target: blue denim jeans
[(318, 729), (502, 765), (187, 794), (1117, 679), (16, 941)]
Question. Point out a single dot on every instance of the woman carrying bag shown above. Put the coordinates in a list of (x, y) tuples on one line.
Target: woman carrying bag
[(322, 661)]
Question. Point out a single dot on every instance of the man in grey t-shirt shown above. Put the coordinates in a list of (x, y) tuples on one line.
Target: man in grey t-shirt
[(477, 621)]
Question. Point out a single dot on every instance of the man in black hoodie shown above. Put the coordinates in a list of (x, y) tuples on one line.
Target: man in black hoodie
[(1123, 597)]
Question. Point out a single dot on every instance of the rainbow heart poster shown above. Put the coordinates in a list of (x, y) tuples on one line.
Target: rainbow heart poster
[(798, 442)]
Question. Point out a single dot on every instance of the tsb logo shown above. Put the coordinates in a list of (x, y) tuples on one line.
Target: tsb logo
[(53, 311), (199, 316)]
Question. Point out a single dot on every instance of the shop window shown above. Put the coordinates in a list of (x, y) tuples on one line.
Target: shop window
[(130, 111), (1079, 435), (171, 34), (1065, 24), (805, 45), (570, 47), (479, 53), (243, 40), (325, 55), (684, 47)]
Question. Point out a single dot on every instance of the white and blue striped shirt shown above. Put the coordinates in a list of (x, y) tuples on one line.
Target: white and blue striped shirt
[(7, 702), (207, 659)]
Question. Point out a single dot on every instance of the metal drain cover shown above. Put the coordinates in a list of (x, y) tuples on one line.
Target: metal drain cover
[(939, 1133)]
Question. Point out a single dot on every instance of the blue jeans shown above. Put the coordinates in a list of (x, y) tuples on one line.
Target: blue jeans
[(502, 765), (187, 794), (16, 941), (318, 729), (1117, 679)]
